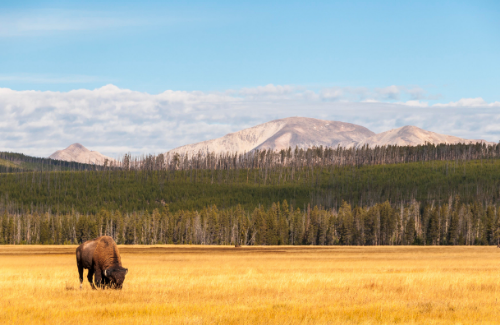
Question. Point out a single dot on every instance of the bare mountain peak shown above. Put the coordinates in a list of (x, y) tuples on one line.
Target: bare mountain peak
[(411, 135), (78, 153), (306, 132), (408, 128), (77, 146), (283, 133)]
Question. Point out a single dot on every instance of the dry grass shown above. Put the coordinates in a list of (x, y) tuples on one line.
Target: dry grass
[(257, 285)]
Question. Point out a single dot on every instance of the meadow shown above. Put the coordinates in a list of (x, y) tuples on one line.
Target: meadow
[(257, 285)]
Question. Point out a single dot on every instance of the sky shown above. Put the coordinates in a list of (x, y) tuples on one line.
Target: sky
[(146, 77)]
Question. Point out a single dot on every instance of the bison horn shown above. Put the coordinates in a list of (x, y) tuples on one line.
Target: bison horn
[(105, 273), (126, 271)]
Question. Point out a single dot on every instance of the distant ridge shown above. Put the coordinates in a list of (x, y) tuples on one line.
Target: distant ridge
[(280, 134), (291, 132), (78, 153), (413, 136), (304, 132)]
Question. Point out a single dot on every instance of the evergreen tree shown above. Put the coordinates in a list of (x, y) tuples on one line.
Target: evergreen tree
[(433, 227), (410, 231), (490, 225), (346, 224)]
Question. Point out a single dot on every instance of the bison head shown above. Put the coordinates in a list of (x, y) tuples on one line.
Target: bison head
[(116, 276)]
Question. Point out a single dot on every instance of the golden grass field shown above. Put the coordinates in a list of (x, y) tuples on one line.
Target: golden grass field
[(257, 285)]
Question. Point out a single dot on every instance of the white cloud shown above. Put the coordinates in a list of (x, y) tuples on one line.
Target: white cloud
[(416, 93), (415, 103), (332, 93), (469, 102), (47, 21), (56, 20), (268, 91), (115, 121), (391, 92)]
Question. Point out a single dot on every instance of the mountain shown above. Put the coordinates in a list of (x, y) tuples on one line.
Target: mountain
[(280, 134), (306, 132), (412, 136), (78, 153)]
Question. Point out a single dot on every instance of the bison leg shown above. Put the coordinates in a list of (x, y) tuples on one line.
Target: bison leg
[(89, 277), (106, 282), (80, 273), (98, 278)]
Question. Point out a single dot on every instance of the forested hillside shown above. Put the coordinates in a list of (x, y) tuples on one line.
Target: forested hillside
[(11, 162), (447, 197), (128, 191)]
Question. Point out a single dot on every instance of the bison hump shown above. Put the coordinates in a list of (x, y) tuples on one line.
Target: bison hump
[(106, 253)]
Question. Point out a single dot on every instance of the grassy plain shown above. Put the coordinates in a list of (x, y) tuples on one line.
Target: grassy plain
[(257, 285)]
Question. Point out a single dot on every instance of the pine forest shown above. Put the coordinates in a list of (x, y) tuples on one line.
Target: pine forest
[(425, 195)]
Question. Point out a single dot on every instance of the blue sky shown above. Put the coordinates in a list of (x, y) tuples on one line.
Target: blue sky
[(449, 48), (434, 52)]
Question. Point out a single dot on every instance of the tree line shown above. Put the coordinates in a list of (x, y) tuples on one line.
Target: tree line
[(138, 190), (314, 156), (451, 223), (264, 159)]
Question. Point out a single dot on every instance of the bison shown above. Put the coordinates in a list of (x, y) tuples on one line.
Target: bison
[(102, 258)]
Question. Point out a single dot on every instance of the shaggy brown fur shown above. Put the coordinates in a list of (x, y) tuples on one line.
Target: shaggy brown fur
[(102, 258)]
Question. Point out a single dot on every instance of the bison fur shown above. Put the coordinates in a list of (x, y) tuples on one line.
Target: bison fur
[(102, 258)]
